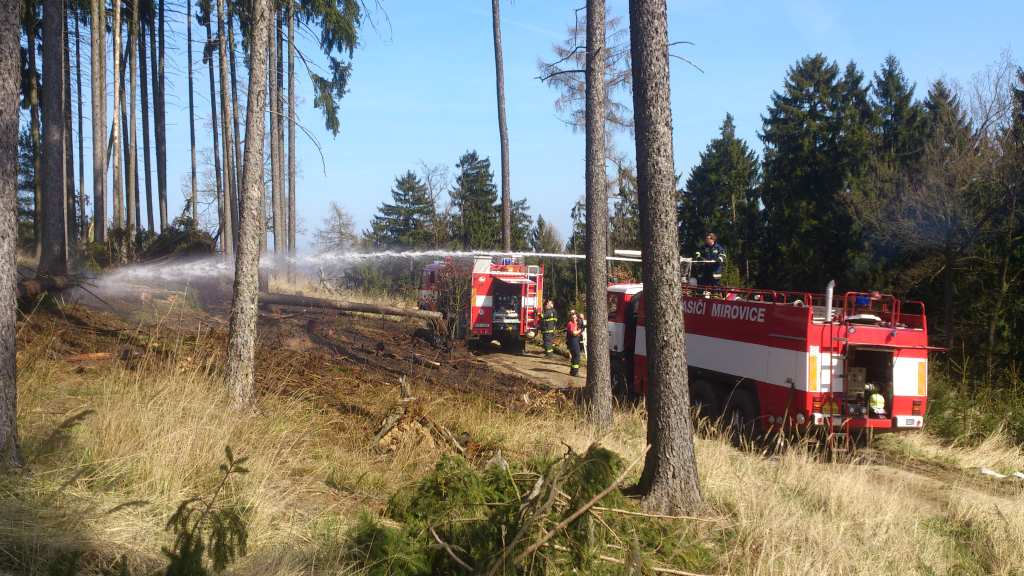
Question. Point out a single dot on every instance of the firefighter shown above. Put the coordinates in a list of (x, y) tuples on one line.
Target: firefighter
[(713, 255), (573, 330), (876, 402), (548, 325)]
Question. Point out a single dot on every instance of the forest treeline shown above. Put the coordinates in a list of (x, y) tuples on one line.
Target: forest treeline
[(112, 85)]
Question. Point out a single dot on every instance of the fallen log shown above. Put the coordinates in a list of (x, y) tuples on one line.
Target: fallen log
[(310, 302), (32, 288)]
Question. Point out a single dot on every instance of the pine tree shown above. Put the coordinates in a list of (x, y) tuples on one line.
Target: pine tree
[(10, 454), (240, 374), (720, 196), (406, 222), (669, 482), (476, 224)]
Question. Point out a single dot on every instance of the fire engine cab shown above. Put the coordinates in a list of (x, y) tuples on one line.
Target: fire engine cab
[(771, 359), (500, 302)]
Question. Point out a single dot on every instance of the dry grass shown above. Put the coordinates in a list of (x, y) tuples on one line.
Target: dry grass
[(112, 450), (310, 287)]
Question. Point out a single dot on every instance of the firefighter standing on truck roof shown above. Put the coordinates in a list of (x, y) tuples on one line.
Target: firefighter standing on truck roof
[(548, 325), (713, 255), (573, 330)]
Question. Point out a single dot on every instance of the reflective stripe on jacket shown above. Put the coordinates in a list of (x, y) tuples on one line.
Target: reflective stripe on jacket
[(549, 322)]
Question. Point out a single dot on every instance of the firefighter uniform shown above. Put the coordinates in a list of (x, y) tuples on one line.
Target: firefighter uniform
[(548, 325), (572, 340), (710, 270), (876, 404)]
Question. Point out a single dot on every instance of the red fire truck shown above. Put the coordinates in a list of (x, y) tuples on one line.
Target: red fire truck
[(770, 359), (497, 298)]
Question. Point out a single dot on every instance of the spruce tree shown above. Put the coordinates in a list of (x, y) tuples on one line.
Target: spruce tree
[(522, 224), (544, 238), (476, 221), (900, 118), (720, 196), (817, 136), (405, 223)]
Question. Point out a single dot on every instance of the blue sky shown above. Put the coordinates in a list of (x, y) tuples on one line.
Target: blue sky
[(422, 88)]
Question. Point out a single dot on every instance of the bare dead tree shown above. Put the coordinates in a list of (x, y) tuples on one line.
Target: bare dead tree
[(10, 68), (669, 481), (242, 327), (566, 73)]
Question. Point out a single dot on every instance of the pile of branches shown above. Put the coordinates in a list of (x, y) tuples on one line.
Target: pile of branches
[(541, 517)]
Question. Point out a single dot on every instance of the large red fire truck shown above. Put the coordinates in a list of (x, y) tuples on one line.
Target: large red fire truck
[(498, 298), (771, 359)]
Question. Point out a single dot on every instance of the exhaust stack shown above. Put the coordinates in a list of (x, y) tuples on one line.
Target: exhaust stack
[(829, 290)]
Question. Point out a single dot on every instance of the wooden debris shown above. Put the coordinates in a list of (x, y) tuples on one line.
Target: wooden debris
[(89, 357), (310, 302)]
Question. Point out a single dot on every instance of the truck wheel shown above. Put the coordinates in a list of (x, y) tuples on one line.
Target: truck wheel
[(740, 416), (704, 399)]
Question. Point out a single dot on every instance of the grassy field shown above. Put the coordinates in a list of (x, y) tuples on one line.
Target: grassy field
[(113, 447)]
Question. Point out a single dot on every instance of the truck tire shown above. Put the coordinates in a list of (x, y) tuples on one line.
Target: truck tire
[(741, 415), (704, 399)]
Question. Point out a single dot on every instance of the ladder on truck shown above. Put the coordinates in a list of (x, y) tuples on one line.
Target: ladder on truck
[(530, 303)]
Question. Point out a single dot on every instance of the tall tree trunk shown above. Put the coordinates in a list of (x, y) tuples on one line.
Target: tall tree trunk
[(242, 327), (236, 148), (36, 133), (231, 215), (222, 212), (70, 210), (275, 150), (133, 149), (53, 261), (669, 481), (144, 101), (192, 117), (126, 153), (10, 65), (291, 128), (499, 73), (160, 119), (599, 387), (98, 80), (115, 26), (83, 229)]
